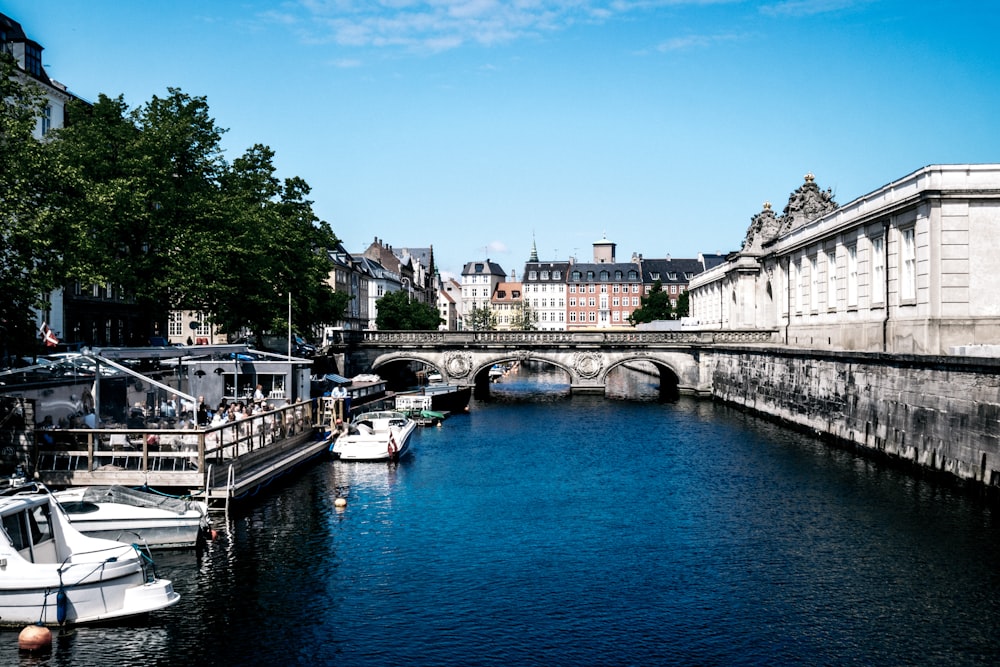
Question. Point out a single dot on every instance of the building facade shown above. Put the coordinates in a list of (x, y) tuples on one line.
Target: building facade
[(602, 294), (479, 280), (908, 268)]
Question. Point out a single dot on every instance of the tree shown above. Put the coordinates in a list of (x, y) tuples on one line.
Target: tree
[(168, 220), (481, 319), (397, 311), (654, 306), (524, 317), (32, 241), (683, 305)]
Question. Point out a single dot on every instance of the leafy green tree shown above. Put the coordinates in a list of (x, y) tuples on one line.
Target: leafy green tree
[(654, 306), (524, 317), (32, 240), (397, 311), (683, 307), (481, 319), (168, 220)]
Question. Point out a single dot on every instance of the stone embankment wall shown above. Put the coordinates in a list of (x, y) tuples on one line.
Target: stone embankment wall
[(940, 413)]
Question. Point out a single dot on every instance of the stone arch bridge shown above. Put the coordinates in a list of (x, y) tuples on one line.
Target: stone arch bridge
[(465, 357)]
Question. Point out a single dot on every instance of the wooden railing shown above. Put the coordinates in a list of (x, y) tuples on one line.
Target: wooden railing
[(156, 450)]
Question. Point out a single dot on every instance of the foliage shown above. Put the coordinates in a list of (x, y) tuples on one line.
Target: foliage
[(32, 241), (163, 216), (481, 319), (654, 306), (397, 311), (524, 317), (683, 307)]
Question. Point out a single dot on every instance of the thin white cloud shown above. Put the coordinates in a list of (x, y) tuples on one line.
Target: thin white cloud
[(441, 25), (687, 42), (809, 7)]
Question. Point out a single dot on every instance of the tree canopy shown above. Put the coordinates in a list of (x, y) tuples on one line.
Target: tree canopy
[(481, 319), (654, 306), (397, 311), (142, 199)]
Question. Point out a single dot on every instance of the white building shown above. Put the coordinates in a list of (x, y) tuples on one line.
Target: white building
[(479, 279), (909, 268)]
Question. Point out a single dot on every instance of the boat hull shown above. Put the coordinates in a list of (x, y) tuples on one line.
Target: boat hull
[(382, 442), (129, 515), (52, 574)]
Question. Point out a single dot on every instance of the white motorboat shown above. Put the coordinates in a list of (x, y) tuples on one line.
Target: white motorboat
[(383, 435), (123, 513), (52, 574)]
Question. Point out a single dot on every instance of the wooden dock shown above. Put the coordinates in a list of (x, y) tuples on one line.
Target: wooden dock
[(219, 464)]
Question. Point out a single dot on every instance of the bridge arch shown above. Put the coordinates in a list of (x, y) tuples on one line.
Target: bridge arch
[(669, 381)]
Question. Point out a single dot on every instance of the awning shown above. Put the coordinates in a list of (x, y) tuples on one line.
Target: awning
[(336, 379)]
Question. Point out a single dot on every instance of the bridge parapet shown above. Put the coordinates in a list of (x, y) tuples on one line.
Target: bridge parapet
[(564, 338)]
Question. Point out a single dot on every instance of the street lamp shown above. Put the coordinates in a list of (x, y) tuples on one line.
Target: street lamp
[(409, 287)]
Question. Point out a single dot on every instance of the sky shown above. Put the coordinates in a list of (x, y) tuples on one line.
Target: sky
[(481, 127)]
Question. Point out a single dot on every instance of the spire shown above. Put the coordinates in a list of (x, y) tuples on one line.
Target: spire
[(534, 250)]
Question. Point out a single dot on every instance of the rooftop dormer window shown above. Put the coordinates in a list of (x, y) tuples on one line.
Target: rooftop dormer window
[(33, 60)]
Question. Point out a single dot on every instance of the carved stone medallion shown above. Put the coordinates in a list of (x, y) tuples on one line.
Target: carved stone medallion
[(458, 364), (588, 364)]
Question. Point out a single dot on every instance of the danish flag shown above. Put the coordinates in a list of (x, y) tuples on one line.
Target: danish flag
[(48, 337)]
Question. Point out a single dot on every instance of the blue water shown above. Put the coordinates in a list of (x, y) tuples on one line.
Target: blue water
[(582, 531)]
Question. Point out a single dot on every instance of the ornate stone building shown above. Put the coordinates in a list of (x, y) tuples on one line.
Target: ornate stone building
[(909, 268)]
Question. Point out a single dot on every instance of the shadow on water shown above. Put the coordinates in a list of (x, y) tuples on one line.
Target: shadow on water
[(532, 381)]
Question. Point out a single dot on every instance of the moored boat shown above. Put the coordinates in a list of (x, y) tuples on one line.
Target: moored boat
[(52, 574), (382, 435), (445, 398), (123, 513)]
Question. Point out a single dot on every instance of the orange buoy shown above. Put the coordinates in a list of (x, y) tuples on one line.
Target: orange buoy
[(35, 638)]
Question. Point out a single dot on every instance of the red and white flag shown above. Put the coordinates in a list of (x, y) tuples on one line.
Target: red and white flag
[(48, 337)]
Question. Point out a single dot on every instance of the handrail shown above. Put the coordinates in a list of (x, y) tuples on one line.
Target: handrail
[(587, 337)]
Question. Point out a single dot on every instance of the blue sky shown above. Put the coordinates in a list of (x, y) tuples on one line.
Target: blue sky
[(478, 126)]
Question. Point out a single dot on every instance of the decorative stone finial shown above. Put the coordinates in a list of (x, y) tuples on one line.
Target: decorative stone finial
[(767, 206), (810, 178)]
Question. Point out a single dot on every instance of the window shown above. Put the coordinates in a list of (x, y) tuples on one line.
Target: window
[(614, 302), (604, 289), (592, 316), (797, 283), (46, 120), (572, 289), (831, 279), (878, 269), (635, 301), (591, 288), (852, 275), (174, 325), (614, 288), (633, 275), (592, 302), (545, 275), (813, 283), (532, 275), (907, 266), (556, 275)]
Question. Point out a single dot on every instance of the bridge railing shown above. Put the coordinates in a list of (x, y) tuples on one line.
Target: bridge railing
[(591, 337)]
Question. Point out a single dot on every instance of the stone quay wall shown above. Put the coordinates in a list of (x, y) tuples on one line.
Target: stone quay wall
[(941, 413)]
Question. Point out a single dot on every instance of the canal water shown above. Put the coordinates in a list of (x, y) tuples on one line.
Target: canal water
[(540, 529)]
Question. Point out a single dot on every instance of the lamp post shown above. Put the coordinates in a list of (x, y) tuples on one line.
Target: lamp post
[(409, 287)]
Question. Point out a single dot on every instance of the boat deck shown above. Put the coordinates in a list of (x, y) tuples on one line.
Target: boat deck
[(216, 464)]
